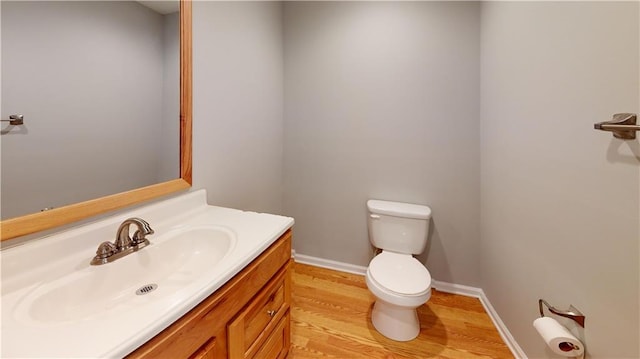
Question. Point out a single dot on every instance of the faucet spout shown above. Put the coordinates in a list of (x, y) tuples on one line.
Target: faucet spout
[(144, 229), (124, 241)]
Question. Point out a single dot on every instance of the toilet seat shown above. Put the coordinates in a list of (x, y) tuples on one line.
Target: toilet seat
[(400, 274)]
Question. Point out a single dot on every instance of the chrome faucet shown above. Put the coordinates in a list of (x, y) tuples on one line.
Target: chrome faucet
[(124, 243)]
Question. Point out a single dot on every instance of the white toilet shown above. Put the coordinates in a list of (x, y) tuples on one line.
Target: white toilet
[(399, 282)]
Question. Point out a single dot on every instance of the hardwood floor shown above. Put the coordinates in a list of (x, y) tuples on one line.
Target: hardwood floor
[(331, 318)]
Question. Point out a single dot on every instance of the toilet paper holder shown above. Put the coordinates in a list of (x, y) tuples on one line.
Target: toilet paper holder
[(571, 313)]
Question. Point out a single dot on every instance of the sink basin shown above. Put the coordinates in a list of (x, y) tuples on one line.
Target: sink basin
[(53, 300), (169, 263)]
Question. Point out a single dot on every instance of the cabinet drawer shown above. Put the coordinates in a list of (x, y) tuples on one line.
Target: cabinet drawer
[(211, 349), (265, 311), (277, 345), (257, 320)]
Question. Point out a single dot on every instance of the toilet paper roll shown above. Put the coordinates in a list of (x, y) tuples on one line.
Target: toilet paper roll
[(558, 337)]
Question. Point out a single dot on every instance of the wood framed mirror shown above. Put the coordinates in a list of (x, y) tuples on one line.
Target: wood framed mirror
[(36, 222)]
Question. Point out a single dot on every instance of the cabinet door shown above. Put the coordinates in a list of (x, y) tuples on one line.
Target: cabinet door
[(278, 343), (207, 351), (255, 323), (214, 348)]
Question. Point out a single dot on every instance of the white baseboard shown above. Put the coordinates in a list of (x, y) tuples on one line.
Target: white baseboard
[(465, 290), (468, 291), (329, 264), (516, 350)]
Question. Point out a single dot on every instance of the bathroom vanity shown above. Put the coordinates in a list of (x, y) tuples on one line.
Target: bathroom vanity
[(247, 318), (212, 282)]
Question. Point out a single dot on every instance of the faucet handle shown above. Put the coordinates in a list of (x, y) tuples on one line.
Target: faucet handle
[(105, 250)]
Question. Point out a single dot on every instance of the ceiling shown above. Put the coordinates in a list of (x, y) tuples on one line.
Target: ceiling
[(162, 6)]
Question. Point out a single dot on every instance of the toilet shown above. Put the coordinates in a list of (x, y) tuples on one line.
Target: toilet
[(399, 282)]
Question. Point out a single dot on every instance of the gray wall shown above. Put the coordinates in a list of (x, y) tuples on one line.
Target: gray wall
[(91, 115), (169, 141), (382, 101), (237, 103), (404, 101), (560, 209)]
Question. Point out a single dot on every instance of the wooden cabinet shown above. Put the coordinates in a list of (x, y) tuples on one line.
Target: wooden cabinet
[(209, 350), (278, 343), (247, 318), (248, 333)]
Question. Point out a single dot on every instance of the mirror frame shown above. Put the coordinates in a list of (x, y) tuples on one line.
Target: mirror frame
[(36, 222)]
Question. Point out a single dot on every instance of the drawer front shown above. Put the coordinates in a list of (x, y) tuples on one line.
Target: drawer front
[(266, 310), (277, 345), (249, 331), (207, 350)]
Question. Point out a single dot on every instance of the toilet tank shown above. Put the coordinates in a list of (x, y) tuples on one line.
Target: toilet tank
[(398, 227)]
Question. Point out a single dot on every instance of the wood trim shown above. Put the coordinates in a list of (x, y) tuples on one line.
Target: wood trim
[(36, 222), (186, 87), (287, 334)]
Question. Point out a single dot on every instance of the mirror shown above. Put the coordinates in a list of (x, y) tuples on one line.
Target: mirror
[(68, 124)]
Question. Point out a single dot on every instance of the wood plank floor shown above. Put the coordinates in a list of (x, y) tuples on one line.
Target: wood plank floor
[(331, 319)]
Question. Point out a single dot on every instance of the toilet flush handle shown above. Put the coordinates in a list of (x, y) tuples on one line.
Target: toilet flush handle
[(374, 216)]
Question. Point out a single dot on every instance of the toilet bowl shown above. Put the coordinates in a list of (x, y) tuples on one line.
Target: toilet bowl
[(399, 282)]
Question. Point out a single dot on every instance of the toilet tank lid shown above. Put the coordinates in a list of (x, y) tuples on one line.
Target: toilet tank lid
[(397, 209)]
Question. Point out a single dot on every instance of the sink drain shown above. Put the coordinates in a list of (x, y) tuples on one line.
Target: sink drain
[(146, 289)]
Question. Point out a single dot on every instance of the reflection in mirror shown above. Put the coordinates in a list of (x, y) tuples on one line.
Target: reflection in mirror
[(127, 132), (98, 83)]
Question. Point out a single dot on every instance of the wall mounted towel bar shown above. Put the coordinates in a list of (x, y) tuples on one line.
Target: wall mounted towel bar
[(15, 120), (623, 126)]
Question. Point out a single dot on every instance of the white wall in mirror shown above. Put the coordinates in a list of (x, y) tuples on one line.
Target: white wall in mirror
[(98, 84), (169, 143)]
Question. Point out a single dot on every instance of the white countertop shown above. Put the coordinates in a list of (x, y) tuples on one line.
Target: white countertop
[(115, 332)]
